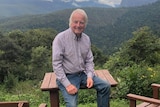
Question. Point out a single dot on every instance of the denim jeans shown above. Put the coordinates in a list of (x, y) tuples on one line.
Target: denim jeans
[(79, 79)]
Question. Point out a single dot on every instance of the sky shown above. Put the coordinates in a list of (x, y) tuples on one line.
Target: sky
[(108, 2)]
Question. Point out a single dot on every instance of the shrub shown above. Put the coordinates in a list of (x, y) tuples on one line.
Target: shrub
[(137, 79)]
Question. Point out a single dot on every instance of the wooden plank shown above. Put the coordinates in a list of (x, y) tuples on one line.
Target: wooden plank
[(49, 84), (46, 82), (144, 104), (152, 105), (143, 98), (49, 81), (146, 101), (53, 83), (104, 74), (15, 104), (156, 85), (43, 105), (100, 74)]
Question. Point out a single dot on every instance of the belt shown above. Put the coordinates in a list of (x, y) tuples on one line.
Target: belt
[(76, 73)]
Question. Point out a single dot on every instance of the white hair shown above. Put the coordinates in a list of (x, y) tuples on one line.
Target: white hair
[(80, 11)]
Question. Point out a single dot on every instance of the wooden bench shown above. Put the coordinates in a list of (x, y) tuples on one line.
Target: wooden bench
[(14, 104), (18, 104), (49, 84), (146, 101)]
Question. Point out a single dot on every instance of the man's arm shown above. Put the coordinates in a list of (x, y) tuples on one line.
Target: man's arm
[(57, 61)]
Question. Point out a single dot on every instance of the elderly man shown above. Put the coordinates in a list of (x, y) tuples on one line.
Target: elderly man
[(73, 64)]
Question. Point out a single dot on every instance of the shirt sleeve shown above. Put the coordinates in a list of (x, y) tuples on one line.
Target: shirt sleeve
[(57, 59), (89, 63)]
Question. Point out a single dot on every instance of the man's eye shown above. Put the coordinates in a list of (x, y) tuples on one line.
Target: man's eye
[(75, 22), (81, 22), (78, 22)]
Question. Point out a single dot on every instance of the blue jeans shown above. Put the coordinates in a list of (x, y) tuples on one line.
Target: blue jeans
[(79, 79)]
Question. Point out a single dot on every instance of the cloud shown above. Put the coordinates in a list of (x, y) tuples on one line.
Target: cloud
[(81, 0), (110, 2), (48, 0), (75, 4), (66, 0), (106, 2)]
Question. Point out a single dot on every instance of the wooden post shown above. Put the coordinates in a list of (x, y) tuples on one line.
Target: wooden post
[(155, 91), (132, 103), (54, 98)]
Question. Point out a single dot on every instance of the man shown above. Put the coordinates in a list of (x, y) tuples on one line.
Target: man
[(73, 62)]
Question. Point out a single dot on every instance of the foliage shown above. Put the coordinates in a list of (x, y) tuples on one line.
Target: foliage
[(26, 54), (136, 65), (137, 79), (10, 82), (107, 27), (145, 46), (30, 91), (99, 57), (84, 96), (27, 91)]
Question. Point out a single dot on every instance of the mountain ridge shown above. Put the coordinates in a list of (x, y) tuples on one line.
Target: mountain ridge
[(107, 27), (9, 8)]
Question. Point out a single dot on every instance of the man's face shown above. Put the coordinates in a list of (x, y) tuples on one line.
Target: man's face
[(78, 23)]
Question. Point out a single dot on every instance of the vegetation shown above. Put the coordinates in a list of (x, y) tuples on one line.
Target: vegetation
[(25, 54), (136, 65), (107, 27)]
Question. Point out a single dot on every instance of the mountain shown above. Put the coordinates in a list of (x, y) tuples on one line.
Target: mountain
[(132, 3), (9, 8), (107, 27)]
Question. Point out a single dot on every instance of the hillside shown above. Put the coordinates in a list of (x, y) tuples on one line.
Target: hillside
[(132, 3), (10, 8), (107, 27)]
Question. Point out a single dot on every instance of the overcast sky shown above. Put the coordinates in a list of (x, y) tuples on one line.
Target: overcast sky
[(108, 2)]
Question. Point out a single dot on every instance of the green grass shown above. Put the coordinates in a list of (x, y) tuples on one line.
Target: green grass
[(113, 103), (33, 94)]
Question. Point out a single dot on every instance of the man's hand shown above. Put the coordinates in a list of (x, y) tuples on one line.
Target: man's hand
[(89, 82), (71, 89)]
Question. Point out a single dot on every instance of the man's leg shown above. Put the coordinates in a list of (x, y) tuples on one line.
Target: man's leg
[(70, 100), (103, 90)]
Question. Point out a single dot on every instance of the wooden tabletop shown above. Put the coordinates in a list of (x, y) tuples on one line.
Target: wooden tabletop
[(49, 81)]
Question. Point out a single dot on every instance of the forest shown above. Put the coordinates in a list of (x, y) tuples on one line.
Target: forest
[(129, 48), (108, 28), (26, 57)]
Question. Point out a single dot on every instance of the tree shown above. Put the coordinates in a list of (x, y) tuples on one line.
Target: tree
[(99, 57), (144, 48), (40, 62), (24, 54), (138, 61)]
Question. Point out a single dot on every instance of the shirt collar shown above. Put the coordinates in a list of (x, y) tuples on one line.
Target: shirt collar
[(76, 37)]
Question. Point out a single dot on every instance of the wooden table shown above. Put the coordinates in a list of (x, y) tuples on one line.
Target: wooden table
[(49, 84)]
